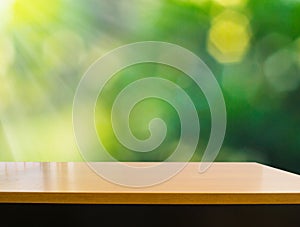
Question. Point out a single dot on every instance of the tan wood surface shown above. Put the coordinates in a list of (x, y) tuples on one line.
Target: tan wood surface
[(222, 183)]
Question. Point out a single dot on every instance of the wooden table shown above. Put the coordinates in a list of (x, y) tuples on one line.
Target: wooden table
[(76, 183)]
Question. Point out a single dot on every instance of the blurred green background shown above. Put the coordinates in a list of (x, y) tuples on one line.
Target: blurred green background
[(252, 47)]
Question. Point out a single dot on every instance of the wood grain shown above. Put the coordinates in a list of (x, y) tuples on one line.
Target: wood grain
[(222, 183)]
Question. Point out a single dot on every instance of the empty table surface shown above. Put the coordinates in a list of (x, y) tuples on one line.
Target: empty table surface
[(77, 183)]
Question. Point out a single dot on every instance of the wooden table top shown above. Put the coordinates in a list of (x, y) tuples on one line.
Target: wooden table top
[(75, 182)]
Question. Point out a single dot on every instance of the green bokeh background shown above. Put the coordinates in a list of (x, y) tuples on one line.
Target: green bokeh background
[(252, 47)]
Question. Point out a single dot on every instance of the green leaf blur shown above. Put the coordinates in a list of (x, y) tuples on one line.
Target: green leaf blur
[(252, 47)]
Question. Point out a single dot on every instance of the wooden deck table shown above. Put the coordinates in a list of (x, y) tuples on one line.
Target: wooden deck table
[(76, 183)]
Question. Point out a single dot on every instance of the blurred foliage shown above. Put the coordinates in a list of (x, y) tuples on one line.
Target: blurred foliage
[(252, 47)]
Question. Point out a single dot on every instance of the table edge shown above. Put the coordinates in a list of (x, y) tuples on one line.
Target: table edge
[(149, 198)]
